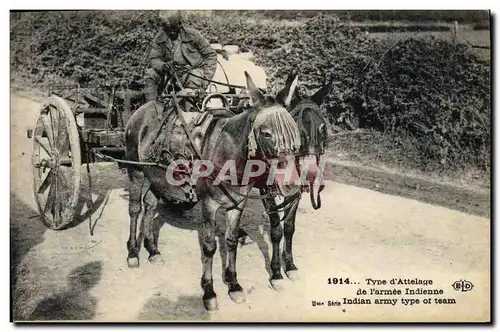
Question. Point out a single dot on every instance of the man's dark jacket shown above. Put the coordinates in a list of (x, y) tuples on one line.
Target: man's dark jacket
[(195, 48)]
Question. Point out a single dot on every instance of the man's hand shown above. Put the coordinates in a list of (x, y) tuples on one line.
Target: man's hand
[(182, 68), (167, 67), (201, 92)]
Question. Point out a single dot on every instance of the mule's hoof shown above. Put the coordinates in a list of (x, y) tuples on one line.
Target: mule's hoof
[(237, 297), (293, 275), (278, 284), (156, 259), (211, 304), (246, 240), (133, 262)]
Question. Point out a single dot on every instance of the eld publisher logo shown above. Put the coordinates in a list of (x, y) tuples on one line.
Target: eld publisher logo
[(462, 285)]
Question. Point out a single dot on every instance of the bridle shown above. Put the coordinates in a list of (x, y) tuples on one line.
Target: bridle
[(297, 112)]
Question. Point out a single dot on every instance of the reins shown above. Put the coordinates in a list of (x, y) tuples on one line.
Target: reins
[(188, 72), (223, 185), (298, 111)]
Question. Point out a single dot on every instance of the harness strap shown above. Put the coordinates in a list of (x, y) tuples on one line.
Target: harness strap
[(129, 162), (198, 153), (223, 187), (235, 202), (158, 132), (288, 200), (185, 126), (316, 204), (285, 206)]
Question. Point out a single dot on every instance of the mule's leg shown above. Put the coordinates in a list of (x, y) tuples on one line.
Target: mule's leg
[(243, 237), (208, 246), (276, 236), (134, 209), (232, 231), (289, 227), (150, 243)]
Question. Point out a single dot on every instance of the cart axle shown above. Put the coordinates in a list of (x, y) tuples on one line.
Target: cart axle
[(51, 164)]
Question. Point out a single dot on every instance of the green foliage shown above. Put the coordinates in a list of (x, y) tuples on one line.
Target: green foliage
[(430, 98)]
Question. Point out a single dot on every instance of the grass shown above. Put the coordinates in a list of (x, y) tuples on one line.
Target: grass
[(374, 149)]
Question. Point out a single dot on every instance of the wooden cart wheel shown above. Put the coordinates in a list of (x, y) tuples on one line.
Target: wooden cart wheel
[(56, 161)]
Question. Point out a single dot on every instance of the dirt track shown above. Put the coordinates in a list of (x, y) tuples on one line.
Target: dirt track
[(358, 234)]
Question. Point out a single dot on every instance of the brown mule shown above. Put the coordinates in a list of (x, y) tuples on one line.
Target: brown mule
[(312, 126), (264, 132)]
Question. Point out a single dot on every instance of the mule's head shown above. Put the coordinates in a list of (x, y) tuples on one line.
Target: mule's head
[(305, 110), (274, 133)]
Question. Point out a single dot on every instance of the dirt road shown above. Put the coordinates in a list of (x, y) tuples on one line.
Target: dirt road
[(357, 234)]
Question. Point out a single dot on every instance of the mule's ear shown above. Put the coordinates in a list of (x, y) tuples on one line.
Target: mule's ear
[(320, 95), (256, 95), (285, 96)]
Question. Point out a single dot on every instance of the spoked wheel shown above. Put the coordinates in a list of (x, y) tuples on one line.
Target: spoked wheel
[(56, 163)]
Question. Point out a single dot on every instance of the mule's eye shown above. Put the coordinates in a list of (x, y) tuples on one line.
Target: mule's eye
[(266, 133)]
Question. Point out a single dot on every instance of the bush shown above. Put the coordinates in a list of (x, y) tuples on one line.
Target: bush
[(436, 92), (323, 46), (92, 48)]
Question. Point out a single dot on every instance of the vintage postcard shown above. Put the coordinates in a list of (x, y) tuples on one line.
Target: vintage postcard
[(250, 166)]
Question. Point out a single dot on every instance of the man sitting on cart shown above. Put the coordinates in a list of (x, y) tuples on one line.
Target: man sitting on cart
[(178, 46)]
